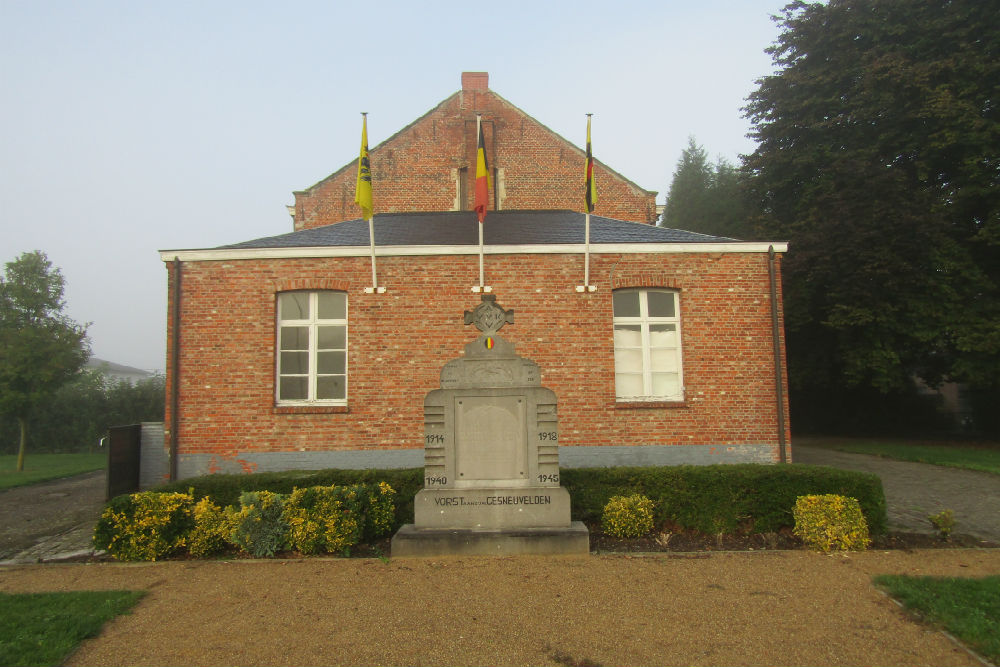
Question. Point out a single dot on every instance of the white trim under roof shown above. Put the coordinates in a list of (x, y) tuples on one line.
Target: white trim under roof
[(233, 254)]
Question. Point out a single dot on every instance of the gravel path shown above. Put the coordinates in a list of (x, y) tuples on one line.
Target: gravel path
[(761, 608)]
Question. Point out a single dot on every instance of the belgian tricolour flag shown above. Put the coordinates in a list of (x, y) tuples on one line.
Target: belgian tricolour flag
[(591, 193), (363, 189), (482, 174)]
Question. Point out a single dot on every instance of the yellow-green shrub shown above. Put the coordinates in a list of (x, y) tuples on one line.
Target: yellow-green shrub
[(831, 522), (145, 526), (323, 519), (213, 528), (628, 516), (381, 510), (944, 521)]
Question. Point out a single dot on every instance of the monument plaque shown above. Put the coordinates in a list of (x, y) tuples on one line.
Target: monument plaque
[(491, 456)]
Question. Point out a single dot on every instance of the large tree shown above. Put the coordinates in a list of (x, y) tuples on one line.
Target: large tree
[(878, 158), (40, 347), (705, 197)]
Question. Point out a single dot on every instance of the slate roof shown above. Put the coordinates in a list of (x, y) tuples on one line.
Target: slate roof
[(460, 228)]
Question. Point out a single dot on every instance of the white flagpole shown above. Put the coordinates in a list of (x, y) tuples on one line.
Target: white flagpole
[(482, 277), (586, 286), (371, 242)]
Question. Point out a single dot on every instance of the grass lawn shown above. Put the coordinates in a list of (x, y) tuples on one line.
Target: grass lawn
[(42, 467), (969, 609), (44, 628), (984, 457)]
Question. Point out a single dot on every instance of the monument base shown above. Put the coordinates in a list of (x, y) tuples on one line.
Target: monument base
[(494, 508), (411, 541)]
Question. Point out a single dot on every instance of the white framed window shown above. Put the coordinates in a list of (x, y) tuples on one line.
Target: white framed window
[(312, 348), (647, 332)]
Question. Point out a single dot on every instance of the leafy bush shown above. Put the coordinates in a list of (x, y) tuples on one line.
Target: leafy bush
[(260, 526), (380, 510), (831, 522), (628, 516), (722, 498), (944, 521), (145, 526), (213, 528), (315, 519), (323, 519), (226, 489)]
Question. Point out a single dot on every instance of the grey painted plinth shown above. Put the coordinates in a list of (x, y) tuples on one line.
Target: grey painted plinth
[(494, 508), (413, 542)]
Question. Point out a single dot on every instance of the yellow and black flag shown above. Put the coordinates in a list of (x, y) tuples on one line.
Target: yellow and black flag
[(482, 175), (363, 189), (591, 194)]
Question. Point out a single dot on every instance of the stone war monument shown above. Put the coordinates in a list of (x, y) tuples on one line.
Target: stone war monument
[(491, 457)]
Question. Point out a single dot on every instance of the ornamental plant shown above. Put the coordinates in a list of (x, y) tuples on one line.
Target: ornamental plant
[(628, 516), (145, 526), (323, 519), (260, 527), (830, 522), (213, 528), (944, 521), (381, 511)]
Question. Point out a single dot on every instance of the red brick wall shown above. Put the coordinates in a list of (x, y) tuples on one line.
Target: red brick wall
[(415, 170), (399, 341)]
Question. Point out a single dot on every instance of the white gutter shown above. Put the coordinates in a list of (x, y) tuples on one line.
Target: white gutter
[(235, 254)]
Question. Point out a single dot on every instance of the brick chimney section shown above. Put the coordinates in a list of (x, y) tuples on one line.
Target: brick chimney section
[(475, 80)]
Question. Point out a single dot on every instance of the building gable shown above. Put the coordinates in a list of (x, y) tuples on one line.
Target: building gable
[(428, 166)]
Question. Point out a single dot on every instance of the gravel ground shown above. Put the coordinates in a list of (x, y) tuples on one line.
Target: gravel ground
[(760, 608), (765, 608)]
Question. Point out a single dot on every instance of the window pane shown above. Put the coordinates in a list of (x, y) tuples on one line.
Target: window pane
[(294, 338), (332, 338), (628, 360), (293, 388), (663, 360), (331, 362), (660, 304), (330, 386), (626, 303), (294, 363), (332, 306), (663, 335), (628, 384), (294, 305), (667, 385), (628, 335)]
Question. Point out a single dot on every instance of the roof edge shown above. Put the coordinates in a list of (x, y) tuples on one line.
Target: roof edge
[(319, 252)]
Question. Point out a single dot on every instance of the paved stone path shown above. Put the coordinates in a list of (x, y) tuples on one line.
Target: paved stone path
[(914, 490), (50, 519)]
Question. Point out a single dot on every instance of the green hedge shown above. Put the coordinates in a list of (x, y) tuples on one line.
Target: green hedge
[(722, 498), (226, 489), (711, 499)]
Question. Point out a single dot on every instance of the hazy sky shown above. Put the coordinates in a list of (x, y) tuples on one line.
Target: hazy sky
[(129, 127)]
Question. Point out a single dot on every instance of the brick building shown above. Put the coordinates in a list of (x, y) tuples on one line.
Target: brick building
[(279, 357)]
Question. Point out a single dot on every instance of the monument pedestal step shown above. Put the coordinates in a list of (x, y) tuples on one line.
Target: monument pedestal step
[(411, 541)]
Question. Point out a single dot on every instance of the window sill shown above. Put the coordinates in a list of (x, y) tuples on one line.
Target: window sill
[(309, 409), (647, 405)]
